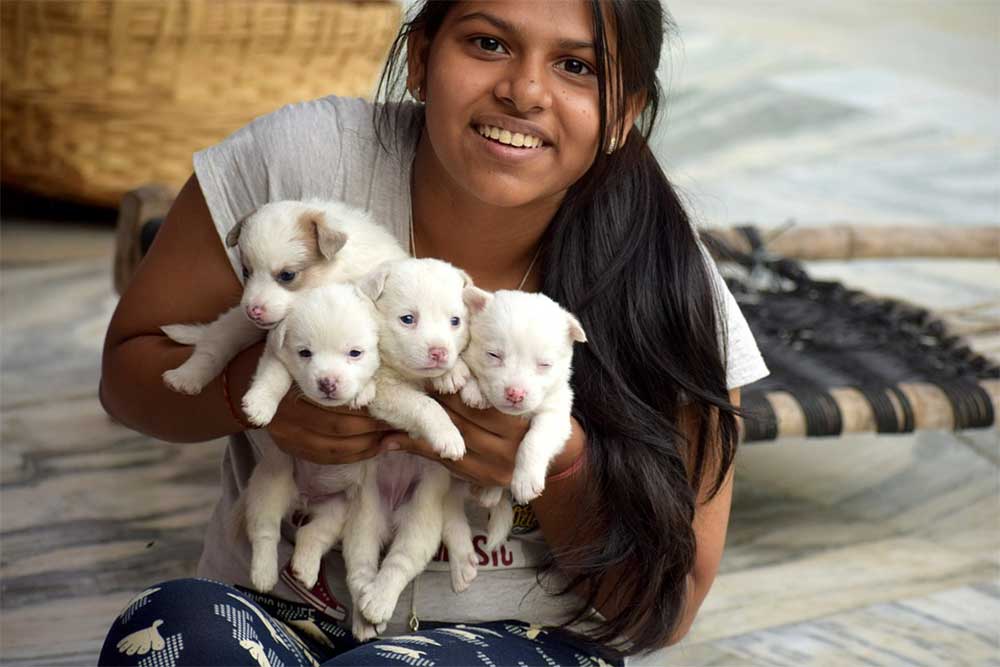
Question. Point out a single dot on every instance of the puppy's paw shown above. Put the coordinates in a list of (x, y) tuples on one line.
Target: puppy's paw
[(364, 397), (183, 381), (263, 571), (527, 485), (472, 396), (258, 409), (376, 604), (305, 565), (362, 630), (447, 442), (490, 496), (452, 381), (185, 334), (464, 569)]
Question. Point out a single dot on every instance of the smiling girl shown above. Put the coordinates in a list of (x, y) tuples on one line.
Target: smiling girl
[(521, 157)]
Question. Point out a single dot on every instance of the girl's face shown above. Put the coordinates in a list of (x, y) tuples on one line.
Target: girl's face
[(509, 68)]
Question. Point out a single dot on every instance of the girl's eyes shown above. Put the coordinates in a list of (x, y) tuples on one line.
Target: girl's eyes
[(570, 65), (578, 67), (489, 44)]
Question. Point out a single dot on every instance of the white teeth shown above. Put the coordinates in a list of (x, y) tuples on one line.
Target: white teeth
[(510, 138)]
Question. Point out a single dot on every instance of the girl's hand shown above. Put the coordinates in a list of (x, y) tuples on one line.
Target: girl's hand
[(307, 431), (491, 442)]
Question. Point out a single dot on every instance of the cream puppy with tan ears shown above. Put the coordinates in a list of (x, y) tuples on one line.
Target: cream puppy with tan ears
[(328, 345), (520, 354), (285, 247), (401, 502)]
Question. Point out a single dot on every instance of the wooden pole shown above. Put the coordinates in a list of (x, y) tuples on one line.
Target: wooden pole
[(852, 241)]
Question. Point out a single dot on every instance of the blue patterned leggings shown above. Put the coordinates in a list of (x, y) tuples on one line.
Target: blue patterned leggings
[(201, 622)]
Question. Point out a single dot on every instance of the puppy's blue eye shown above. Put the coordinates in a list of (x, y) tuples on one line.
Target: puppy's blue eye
[(407, 319), (355, 353), (286, 276), (246, 272), (305, 354), (455, 321)]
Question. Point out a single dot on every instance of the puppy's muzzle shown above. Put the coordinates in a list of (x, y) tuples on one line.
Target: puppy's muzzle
[(328, 387)]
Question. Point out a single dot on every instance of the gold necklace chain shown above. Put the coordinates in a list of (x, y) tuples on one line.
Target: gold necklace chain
[(520, 286)]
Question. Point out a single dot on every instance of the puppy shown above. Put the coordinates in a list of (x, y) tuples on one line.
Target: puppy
[(328, 344), (285, 248), (520, 354), (401, 500)]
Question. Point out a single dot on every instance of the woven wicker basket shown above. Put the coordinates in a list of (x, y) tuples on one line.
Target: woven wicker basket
[(99, 97)]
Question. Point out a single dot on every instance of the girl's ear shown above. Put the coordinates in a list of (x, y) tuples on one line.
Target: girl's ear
[(416, 64)]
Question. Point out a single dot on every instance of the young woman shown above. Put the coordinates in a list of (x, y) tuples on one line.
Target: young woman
[(633, 518)]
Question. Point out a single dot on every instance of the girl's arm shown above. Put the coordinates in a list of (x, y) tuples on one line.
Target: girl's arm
[(187, 277)]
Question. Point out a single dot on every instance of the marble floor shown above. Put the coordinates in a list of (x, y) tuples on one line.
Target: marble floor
[(851, 551)]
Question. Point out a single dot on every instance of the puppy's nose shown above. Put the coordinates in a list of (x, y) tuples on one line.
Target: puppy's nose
[(438, 354), (328, 386), (515, 394), (256, 312)]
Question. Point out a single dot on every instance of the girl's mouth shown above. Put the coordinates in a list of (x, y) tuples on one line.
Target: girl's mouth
[(508, 138)]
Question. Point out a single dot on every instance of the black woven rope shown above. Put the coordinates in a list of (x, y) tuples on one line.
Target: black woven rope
[(816, 335), (760, 422), (970, 403)]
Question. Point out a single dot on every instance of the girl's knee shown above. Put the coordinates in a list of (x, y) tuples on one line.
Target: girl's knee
[(193, 621)]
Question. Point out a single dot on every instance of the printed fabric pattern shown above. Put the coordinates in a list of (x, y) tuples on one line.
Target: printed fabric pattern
[(188, 622)]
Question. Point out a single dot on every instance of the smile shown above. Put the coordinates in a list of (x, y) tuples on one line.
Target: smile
[(509, 138)]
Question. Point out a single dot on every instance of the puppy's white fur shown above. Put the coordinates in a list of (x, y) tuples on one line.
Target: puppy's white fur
[(328, 345), (285, 248), (520, 354), (423, 330)]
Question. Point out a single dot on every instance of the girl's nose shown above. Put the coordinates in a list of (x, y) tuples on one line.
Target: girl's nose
[(523, 90)]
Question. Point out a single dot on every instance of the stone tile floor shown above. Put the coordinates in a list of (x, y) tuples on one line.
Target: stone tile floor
[(852, 551)]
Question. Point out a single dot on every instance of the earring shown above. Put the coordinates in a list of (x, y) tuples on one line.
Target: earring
[(612, 144)]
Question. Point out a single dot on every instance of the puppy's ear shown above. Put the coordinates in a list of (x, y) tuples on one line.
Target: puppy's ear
[(233, 237), (372, 284), (576, 332), (328, 240), (278, 333), (466, 279), (476, 299)]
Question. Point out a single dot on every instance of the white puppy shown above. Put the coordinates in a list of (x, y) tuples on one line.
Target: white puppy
[(520, 355), (285, 247), (423, 331), (327, 343)]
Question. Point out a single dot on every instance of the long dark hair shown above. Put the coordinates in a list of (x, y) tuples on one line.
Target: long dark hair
[(621, 254)]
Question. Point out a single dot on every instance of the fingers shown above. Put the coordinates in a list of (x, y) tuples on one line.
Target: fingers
[(337, 422), (474, 467), (491, 420)]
